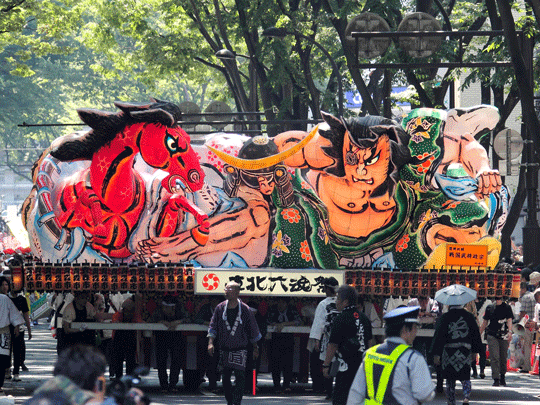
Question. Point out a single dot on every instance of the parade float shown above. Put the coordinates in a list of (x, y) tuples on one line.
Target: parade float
[(395, 209), (131, 205)]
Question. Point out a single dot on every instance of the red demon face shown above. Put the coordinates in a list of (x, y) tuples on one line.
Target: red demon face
[(169, 149)]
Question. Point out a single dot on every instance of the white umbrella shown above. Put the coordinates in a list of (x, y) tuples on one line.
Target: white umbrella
[(455, 294)]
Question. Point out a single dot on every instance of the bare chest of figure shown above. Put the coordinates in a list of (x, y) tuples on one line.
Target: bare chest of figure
[(351, 210)]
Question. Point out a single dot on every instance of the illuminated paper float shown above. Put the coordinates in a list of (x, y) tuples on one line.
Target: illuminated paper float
[(365, 193)]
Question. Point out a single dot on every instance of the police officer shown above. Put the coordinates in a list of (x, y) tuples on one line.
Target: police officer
[(393, 372)]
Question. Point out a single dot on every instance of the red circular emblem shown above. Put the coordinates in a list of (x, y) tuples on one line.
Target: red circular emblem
[(210, 281), (356, 315)]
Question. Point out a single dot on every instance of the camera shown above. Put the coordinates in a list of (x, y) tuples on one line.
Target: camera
[(120, 389)]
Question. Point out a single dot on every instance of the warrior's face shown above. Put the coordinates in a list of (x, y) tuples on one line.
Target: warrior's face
[(266, 185), (262, 181), (442, 233), (367, 168)]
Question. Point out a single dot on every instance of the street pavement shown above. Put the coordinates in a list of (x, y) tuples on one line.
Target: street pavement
[(41, 355)]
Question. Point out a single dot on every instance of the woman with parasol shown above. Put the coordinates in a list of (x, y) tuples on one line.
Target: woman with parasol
[(456, 340)]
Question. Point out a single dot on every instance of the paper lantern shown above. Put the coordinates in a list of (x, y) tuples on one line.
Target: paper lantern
[(17, 278)]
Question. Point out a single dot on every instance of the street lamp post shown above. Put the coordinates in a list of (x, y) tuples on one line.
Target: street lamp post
[(275, 32), (251, 104), (227, 56)]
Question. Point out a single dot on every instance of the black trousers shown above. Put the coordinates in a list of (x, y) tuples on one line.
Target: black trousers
[(60, 341), (320, 384), (5, 361), (168, 343), (344, 380), (482, 359), (124, 348), (234, 394), (281, 358), (19, 351), (211, 366)]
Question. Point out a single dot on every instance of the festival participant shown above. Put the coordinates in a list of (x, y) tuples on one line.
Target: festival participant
[(203, 317), (233, 327), (527, 304), (18, 346), (409, 379), (124, 342), (168, 342), (9, 316), (456, 341), (281, 345), (471, 307), (349, 339), (481, 306), (498, 321), (427, 318), (80, 310), (320, 333)]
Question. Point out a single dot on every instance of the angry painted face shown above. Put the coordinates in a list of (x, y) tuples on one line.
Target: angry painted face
[(367, 168), (169, 149)]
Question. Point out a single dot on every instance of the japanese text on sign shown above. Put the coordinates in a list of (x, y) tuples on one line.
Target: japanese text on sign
[(260, 282), (466, 255)]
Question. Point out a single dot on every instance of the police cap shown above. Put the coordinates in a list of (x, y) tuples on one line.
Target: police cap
[(402, 315)]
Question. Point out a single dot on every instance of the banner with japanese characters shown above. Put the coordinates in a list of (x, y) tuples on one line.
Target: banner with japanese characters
[(265, 282), (466, 255)]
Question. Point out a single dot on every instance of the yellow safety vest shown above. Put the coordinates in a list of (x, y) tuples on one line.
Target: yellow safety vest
[(388, 362)]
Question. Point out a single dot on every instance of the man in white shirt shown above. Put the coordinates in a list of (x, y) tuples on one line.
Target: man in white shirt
[(427, 317), (319, 335), (9, 315), (527, 306)]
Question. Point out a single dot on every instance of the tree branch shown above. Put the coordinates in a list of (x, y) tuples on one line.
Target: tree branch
[(10, 7)]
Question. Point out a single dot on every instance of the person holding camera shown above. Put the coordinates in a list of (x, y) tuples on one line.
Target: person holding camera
[(79, 373)]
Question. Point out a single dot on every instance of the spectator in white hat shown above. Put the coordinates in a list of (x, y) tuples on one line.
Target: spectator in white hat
[(534, 279)]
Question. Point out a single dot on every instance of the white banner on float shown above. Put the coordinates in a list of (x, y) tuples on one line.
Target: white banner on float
[(266, 282)]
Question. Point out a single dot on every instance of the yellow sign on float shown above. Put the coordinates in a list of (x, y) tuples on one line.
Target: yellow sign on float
[(466, 255), (265, 281)]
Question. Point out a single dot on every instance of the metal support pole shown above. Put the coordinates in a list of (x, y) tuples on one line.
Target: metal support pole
[(531, 230)]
